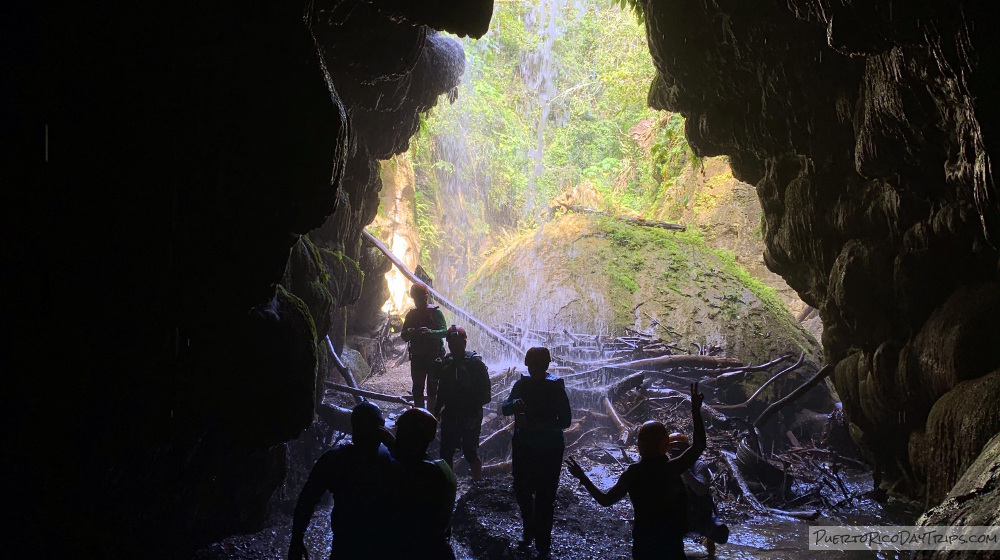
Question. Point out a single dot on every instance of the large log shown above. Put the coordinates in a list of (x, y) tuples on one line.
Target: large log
[(624, 385), (801, 390), (336, 417), (465, 315), (368, 394), (748, 496), (681, 360), (345, 371), (743, 371), (629, 219), (764, 386)]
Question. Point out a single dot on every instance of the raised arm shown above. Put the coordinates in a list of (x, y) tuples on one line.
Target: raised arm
[(617, 492), (691, 454)]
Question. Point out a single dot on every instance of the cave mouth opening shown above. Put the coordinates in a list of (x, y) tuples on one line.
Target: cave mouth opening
[(533, 136), (186, 157)]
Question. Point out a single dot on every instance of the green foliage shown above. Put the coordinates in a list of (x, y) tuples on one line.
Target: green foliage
[(601, 73), (634, 5)]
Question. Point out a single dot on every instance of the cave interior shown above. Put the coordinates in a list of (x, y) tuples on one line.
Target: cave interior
[(163, 163)]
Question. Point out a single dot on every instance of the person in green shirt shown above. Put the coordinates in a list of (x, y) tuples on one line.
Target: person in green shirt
[(423, 492), (424, 330)]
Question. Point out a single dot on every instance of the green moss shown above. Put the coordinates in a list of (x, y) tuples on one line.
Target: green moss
[(707, 198), (300, 307)]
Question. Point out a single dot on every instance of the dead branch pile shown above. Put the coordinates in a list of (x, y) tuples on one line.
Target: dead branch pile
[(616, 383)]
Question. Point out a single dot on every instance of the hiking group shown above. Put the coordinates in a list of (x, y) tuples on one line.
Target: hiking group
[(391, 501)]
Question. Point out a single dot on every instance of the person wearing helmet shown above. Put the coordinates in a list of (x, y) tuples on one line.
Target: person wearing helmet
[(463, 390), (655, 487), (701, 516), (423, 330), (356, 475), (423, 492), (541, 408)]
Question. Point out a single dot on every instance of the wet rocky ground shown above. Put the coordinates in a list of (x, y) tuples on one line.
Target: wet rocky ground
[(486, 522), (486, 525)]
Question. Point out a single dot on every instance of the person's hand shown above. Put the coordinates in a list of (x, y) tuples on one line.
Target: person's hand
[(575, 469), (518, 406), (696, 397), (423, 330), (297, 550)]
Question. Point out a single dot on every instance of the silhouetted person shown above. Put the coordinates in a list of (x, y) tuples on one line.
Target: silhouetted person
[(654, 484), (423, 492), (356, 475), (423, 329), (463, 390), (701, 517), (541, 408)]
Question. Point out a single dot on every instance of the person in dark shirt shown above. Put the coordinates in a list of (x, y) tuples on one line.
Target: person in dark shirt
[(357, 476), (423, 492), (655, 488), (700, 504), (463, 390), (423, 329), (541, 408)]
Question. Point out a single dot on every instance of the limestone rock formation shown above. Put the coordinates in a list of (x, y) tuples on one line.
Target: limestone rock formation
[(974, 500), (868, 129), (163, 163)]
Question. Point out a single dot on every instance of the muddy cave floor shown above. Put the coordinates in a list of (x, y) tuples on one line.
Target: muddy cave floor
[(486, 522)]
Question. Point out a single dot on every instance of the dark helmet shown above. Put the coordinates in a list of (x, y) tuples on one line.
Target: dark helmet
[(456, 332), (416, 428), (419, 289), (537, 357), (678, 440), (366, 418)]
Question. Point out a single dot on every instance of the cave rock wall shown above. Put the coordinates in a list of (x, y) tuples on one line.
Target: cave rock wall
[(868, 129), (162, 166)]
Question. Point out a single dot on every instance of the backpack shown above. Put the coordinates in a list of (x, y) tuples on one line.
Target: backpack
[(465, 384)]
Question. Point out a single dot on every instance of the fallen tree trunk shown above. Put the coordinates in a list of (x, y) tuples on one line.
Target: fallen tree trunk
[(624, 385), (747, 494), (764, 386), (629, 219), (743, 370), (369, 394), (624, 430), (496, 468), (336, 417), (465, 315), (496, 435), (801, 390), (345, 372), (680, 360)]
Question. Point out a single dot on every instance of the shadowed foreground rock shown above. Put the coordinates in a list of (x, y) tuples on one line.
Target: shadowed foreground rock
[(163, 162)]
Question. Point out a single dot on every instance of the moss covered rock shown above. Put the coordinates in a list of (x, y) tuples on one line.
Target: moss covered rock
[(597, 274)]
